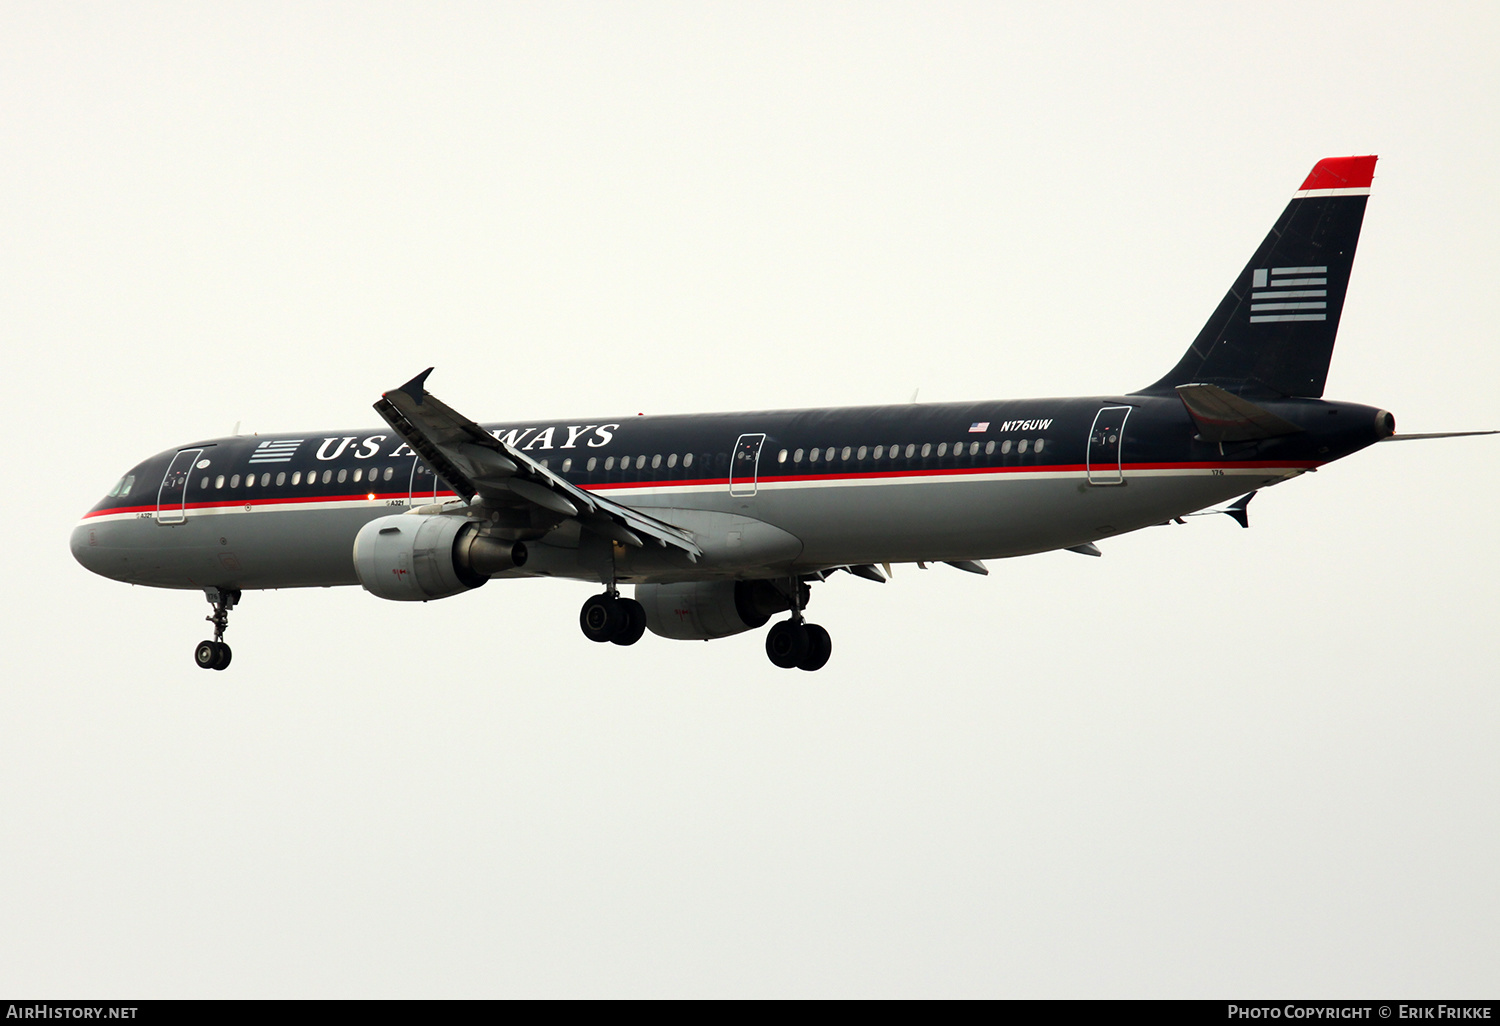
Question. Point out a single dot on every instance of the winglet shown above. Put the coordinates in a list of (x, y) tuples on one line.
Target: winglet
[(417, 386)]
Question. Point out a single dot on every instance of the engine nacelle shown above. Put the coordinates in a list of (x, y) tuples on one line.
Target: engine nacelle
[(413, 558), (701, 610)]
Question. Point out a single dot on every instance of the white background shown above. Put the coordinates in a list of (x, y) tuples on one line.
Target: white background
[(1213, 763)]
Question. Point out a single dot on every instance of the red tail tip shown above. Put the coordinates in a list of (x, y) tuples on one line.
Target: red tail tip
[(1341, 173)]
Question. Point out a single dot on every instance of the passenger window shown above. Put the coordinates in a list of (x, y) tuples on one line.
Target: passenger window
[(781, 456), (863, 451), (1021, 445), (1039, 444), (359, 472), (567, 465), (593, 462), (219, 481), (343, 476), (544, 463), (328, 476), (671, 460), (204, 483), (797, 456), (942, 449), (829, 454), (926, 450), (384, 477), (640, 463), (1005, 447), (911, 449), (609, 463), (687, 461), (234, 482), (848, 451), (973, 448), (879, 452), (813, 454), (656, 461), (989, 447)]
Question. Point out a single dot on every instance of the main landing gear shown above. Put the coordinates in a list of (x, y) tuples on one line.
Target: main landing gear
[(608, 617), (797, 643), (215, 655)]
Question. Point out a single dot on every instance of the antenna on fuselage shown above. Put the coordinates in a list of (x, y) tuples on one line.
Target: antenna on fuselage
[(237, 427)]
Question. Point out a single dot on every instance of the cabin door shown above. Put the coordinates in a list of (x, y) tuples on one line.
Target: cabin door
[(171, 498), (1105, 443), (744, 468), (424, 484)]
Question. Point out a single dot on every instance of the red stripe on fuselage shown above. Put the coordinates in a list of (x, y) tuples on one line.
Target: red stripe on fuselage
[(1055, 468)]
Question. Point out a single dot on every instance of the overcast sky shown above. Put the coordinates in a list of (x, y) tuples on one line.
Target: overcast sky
[(1215, 762)]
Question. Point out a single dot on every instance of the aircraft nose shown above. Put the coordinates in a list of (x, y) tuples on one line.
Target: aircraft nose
[(85, 544)]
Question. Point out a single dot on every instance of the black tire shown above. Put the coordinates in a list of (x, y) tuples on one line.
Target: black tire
[(819, 648), (601, 618), (786, 644), (222, 663), (635, 623), (206, 654)]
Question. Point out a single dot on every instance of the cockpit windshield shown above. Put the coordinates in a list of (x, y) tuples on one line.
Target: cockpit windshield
[(122, 486)]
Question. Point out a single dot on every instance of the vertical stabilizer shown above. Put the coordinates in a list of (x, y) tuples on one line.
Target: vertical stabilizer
[(1273, 333)]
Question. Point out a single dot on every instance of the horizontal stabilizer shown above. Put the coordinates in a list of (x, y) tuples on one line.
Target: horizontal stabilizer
[(1436, 434), (1224, 417), (1236, 509)]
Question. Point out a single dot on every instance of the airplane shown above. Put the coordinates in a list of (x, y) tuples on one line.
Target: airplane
[(721, 521)]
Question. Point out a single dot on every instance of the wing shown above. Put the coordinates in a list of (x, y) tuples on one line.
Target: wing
[(474, 462)]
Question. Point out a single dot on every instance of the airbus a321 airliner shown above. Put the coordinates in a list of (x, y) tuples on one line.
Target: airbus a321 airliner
[(722, 521)]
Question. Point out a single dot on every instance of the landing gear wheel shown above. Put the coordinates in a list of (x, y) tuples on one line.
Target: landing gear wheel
[(602, 618), (215, 655), (635, 622), (787, 643), (819, 648)]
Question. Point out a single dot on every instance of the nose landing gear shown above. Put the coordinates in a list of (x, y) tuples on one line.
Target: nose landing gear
[(215, 655)]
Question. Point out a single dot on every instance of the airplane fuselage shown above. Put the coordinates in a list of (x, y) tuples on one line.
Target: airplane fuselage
[(775, 492)]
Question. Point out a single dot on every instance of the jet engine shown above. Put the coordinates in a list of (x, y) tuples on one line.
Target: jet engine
[(701, 610), (412, 558)]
